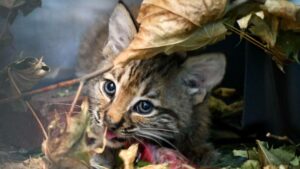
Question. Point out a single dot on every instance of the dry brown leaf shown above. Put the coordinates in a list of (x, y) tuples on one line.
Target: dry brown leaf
[(282, 8), (203, 36), (198, 12), (66, 146), (164, 24)]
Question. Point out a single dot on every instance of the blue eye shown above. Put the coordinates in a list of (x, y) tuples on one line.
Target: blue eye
[(144, 107), (109, 88)]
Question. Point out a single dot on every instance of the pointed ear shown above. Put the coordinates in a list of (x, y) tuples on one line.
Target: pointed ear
[(121, 30), (200, 74)]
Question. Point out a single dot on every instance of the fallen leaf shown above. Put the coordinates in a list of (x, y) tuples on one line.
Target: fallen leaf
[(165, 24), (28, 71), (224, 92), (158, 166), (128, 156), (251, 164), (207, 35), (219, 105), (32, 163), (266, 157), (249, 154), (285, 154), (289, 43), (270, 167), (67, 143), (265, 29), (282, 8), (244, 21), (295, 162)]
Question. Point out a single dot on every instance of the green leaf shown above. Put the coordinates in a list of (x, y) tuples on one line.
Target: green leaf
[(266, 157), (267, 32), (142, 164), (285, 154), (249, 154), (295, 162), (289, 43), (251, 164), (240, 153)]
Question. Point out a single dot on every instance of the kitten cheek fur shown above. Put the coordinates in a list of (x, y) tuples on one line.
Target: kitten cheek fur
[(199, 75)]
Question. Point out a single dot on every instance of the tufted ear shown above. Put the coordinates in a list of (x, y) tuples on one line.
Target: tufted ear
[(121, 30), (200, 74)]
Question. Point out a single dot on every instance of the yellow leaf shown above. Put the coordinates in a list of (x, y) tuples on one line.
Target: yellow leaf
[(128, 156), (157, 166)]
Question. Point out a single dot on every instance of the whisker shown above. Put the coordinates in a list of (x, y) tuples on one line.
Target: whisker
[(160, 129), (166, 134), (160, 138), (148, 137), (140, 141)]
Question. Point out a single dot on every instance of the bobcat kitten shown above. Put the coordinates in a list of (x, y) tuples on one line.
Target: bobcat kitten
[(162, 100)]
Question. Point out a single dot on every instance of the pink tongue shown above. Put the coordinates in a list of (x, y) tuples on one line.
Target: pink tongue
[(148, 153), (110, 135)]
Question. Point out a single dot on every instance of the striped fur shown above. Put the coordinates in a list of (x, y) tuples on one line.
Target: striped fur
[(176, 120), (176, 86)]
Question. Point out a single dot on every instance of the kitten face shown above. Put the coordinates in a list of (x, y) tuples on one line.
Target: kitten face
[(134, 101), (154, 99)]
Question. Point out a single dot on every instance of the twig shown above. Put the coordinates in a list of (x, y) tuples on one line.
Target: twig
[(27, 103), (76, 97), (277, 54), (57, 85), (280, 138)]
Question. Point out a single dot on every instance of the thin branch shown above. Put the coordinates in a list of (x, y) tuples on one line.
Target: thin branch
[(76, 98), (27, 103), (57, 85), (277, 54), (280, 138)]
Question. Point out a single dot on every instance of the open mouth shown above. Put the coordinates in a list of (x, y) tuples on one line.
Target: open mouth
[(147, 151), (116, 140)]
